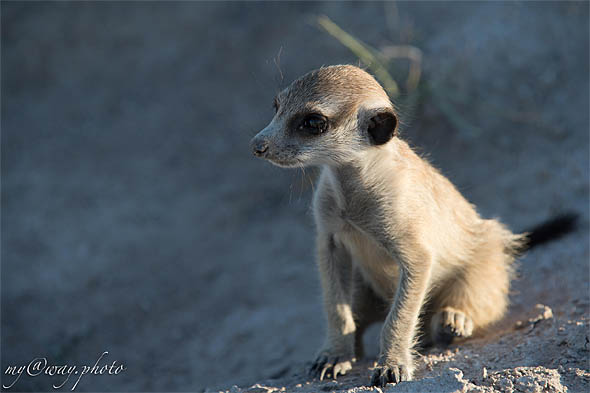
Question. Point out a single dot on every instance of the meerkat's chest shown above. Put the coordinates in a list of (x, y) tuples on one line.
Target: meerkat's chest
[(354, 215), (379, 269)]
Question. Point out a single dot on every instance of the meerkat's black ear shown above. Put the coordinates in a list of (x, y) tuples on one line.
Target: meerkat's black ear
[(382, 126)]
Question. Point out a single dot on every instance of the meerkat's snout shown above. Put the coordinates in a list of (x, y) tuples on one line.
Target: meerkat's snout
[(259, 146), (273, 145)]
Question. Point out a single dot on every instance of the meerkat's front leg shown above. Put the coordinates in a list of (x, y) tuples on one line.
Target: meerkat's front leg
[(396, 362), (337, 354)]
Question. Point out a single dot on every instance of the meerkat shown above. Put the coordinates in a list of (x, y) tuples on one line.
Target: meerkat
[(396, 241)]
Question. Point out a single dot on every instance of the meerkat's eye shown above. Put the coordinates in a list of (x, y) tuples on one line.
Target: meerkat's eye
[(314, 124)]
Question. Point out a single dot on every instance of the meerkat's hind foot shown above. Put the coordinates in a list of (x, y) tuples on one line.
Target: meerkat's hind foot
[(449, 324)]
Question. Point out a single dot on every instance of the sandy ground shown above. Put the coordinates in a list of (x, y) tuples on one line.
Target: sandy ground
[(135, 221)]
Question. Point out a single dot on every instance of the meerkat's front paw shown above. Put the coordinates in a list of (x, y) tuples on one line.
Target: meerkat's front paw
[(449, 323), (392, 371), (328, 364)]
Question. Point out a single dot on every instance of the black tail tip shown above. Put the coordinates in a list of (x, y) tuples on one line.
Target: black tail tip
[(553, 229)]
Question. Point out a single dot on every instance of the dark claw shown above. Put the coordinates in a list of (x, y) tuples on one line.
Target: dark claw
[(384, 375), (388, 375), (396, 372), (380, 377), (312, 369), (328, 368), (317, 366), (376, 377)]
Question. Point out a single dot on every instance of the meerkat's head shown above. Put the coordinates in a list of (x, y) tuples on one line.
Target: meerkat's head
[(326, 117)]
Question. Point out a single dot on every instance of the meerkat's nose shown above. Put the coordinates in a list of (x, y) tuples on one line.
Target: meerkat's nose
[(259, 147)]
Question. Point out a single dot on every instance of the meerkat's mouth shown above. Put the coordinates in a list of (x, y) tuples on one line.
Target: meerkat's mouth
[(285, 162)]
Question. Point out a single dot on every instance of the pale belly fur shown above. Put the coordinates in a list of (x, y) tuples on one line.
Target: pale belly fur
[(378, 269)]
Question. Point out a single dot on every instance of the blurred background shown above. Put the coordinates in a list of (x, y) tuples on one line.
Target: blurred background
[(136, 221)]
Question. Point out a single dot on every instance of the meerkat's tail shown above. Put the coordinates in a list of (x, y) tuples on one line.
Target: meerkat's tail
[(549, 230)]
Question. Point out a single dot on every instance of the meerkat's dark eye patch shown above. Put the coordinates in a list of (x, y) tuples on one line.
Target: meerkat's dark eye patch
[(313, 124), (382, 127)]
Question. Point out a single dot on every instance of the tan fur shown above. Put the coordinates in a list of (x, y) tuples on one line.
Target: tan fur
[(395, 237)]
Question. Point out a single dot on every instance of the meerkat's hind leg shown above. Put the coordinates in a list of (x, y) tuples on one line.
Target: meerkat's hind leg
[(475, 297), (468, 303)]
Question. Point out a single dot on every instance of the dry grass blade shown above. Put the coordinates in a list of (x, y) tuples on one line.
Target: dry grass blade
[(362, 52), (410, 52), (371, 58)]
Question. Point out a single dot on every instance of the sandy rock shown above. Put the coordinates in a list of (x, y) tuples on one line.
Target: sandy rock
[(527, 380), (541, 312), (451, 380)]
